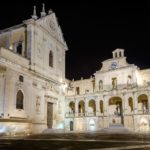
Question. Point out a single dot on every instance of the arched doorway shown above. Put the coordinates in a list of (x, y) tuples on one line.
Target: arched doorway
[(71, 108), (143, 104), (81, 109), (92, 108), (71, 125), (115, 110)]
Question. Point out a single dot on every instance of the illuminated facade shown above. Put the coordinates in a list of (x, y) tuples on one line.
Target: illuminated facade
[(32, 75), (118, 94), (35, 95)]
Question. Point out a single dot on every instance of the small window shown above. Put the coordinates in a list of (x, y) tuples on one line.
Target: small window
[(21, 79), (101, 107), (19, 48), (51, 59), (119, 54), (77, 90), (19, 100)]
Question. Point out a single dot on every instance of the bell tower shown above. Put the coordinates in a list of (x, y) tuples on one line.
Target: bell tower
[(117, 53)]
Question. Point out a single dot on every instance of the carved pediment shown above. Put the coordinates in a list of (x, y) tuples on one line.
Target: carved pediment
[(50, 24)]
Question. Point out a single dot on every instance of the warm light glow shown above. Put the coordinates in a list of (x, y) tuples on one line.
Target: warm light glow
[(3, 129), (11, 47), (79, 125), (144, 125), (60, 126), (139, 78), (64, 87), (92, 125), (13, 128)]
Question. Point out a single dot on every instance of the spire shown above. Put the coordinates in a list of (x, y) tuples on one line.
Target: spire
[(43, 13), (50, 11), (34, 16)]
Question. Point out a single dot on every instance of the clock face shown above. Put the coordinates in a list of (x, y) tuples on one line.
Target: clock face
[(113, 65)]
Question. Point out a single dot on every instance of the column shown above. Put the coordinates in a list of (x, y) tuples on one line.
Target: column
[(97, 102), (76, 108), (125, 106), (148, 103), (86, 107), (135, 102), (106, 118), (106, 106)]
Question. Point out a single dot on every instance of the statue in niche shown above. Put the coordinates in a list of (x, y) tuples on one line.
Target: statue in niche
[(129, 80), (100, 85), (144, 108), (38, 104), (114, 83), (118, 109), (117, 112)]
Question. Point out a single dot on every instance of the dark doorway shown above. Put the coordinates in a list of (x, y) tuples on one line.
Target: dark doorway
[(49, 115), (19, 48), (71, 125)]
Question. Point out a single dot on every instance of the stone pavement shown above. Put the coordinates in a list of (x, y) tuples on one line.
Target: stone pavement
[(111, 138)]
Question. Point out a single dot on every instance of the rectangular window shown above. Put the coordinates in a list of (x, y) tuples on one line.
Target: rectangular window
[(77, 90), (21, 79), (18, 47)]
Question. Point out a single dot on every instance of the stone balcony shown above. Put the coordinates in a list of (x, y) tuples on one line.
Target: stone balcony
[(8, 57)]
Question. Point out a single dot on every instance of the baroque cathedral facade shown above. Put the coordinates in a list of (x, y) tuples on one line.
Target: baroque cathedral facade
[(36, 96)]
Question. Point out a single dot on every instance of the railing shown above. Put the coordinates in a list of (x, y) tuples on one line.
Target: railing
[(115, 119), (70, 114), (93, 114), (86, 114)]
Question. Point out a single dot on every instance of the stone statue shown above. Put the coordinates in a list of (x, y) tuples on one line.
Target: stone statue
[(117, 112), (129, 81), (38, 104), (114, 83), (100, 85)]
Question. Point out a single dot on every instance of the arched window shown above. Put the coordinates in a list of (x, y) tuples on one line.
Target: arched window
[(51, 59), (19, 100), (100, 84)]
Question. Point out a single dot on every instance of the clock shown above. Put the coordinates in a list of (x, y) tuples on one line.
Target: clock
[(113, 65)]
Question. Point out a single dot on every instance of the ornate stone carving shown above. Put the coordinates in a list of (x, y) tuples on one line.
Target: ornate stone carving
[(38, 105)]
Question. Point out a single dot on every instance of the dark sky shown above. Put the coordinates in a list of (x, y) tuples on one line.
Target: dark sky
[(92, 30)]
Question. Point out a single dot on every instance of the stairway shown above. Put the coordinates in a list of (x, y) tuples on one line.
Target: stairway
[(115, 128), (47, 131)]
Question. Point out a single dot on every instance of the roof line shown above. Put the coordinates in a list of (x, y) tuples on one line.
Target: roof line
[(11, 28)]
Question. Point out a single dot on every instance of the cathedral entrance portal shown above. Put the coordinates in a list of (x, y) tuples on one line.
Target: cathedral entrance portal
[(49, 115), (115, 110)]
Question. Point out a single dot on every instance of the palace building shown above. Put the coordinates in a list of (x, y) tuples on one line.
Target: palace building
[(118, 94), (35, 96)]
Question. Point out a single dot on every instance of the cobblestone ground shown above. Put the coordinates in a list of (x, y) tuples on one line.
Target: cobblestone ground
[(80, 141)]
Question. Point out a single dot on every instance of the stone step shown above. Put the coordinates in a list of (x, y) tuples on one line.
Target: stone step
[(115, 128), (46, 131)]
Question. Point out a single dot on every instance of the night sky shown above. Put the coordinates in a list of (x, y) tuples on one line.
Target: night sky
[(91, 30)]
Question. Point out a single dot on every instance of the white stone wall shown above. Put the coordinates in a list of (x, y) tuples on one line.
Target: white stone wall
[(85, 87), (42, 83)]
